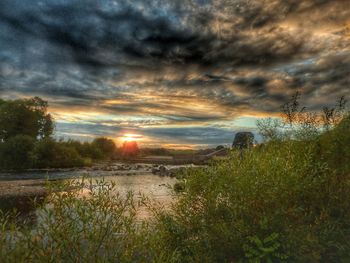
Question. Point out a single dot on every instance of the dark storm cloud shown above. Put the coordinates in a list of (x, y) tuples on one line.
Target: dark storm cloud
[(183, 61), (109, 33)]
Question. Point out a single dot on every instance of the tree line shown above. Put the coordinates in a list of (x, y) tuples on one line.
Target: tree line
[(26, 139)]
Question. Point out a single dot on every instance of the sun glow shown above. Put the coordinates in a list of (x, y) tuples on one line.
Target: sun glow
[(129, 137)]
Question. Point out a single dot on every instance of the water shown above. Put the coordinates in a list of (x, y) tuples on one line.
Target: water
[(156, 188), (153, 186), (17, 190)]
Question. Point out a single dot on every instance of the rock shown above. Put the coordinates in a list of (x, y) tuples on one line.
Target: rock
[(163, 171), (155, 171)]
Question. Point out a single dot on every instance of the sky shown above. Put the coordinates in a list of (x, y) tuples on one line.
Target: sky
[(172, 73)]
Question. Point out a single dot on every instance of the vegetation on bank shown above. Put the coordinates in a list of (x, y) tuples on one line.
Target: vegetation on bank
[(26, 140), (287, 200)]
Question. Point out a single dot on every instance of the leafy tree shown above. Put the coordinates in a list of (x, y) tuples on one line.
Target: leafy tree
[(25, 117), (16, 152), (105, 145)]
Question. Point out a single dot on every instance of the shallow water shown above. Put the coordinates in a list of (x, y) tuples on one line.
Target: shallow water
[(155, 187)]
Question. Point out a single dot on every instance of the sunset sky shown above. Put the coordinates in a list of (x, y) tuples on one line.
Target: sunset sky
[(172, 73)]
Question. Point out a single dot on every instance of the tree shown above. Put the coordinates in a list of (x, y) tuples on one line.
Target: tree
[(25, 117), (130, 148), (16, 152), (105, 145), (243, 140)]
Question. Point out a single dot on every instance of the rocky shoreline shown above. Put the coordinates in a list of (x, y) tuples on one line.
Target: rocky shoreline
[(102, 169)]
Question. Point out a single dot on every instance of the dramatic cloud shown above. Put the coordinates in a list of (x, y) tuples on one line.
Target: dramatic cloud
[(157, 65)]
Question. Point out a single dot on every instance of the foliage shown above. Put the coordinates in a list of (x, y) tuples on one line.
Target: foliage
[(25, 117), (105, 146), (281, 202), (299, 123), (79, 226), (130, 149), (333, 147), (243, 140), (16, 152), (25, 140), (99, 149), (51, 154), (23, 152)]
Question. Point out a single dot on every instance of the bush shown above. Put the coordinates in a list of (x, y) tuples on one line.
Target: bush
[(86, 149), (277, 204), (51, 154), (334, 147)]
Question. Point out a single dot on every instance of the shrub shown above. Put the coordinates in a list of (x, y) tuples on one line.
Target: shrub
[(51, 154), (334, 147), (276, 204), (86, 149)]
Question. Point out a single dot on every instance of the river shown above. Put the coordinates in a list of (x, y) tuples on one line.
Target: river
[(18, 189)]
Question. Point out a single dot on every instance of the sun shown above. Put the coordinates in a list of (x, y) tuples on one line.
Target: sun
[(129, 137)]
